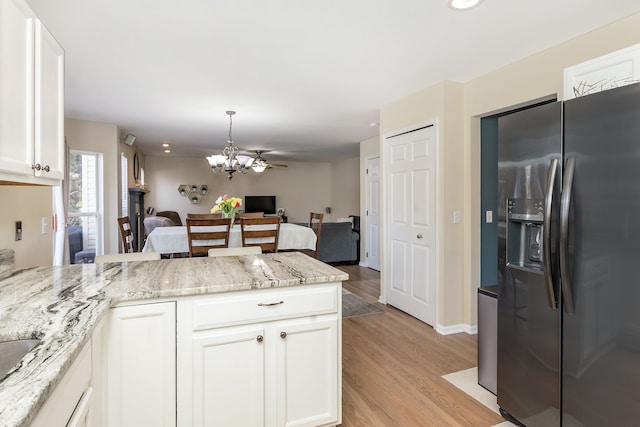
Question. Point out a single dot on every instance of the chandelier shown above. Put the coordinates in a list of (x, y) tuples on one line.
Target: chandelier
[(230, 161)]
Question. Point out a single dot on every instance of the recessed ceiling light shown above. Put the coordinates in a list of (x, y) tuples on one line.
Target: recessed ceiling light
[(463, 4), (167, 151), (165, 145)]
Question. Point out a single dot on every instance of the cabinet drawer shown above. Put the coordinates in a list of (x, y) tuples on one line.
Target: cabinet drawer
[(263, 305)]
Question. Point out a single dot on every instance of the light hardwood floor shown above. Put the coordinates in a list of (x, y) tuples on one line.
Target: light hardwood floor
[(393, 366)]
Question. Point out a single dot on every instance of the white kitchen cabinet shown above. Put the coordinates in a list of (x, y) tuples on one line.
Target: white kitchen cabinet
[(261, 358), (141, 365), (307, 372), (228, 377), (70, 403), (32, 98)]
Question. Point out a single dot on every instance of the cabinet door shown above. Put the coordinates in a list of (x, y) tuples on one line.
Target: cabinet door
[(71, 400), (307, 372), (228, 377), (142, 365), (49, 105), (16, 92)]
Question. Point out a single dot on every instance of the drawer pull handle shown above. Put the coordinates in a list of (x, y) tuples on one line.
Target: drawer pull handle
[(283, 334), (270, 304), (259, 338)]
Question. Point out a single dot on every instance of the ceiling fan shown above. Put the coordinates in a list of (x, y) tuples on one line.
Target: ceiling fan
[(260, 164)]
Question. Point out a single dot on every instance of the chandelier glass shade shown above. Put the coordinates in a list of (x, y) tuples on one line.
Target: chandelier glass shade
[(259, 165), (230, 161)]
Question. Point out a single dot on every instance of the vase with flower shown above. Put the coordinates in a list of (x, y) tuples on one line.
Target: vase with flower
[(228, 206)]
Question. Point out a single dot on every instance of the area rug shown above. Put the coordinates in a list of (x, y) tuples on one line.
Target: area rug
[(354, 306), (467, 381)]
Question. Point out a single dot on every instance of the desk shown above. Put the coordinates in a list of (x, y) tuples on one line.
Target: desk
[(169, 240)]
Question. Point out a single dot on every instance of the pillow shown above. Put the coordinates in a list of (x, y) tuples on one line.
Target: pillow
[(350, 219)]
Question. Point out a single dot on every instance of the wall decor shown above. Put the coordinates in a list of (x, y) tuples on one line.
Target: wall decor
[(195, 198), (616, 69), (204, 189), (183, 189)]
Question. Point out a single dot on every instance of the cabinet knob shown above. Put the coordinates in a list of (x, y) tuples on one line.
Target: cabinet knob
[(37, 166), (46, 168), (259, 338), (419, 236), (283, 334)]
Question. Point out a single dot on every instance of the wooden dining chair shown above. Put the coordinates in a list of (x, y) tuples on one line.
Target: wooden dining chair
[(126, 234), (241, 216), (205, 215), (315, 223), (251, 215), (263, 232), (201, 240)]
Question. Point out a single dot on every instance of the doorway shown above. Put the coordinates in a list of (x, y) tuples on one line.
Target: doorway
[(410, 245)]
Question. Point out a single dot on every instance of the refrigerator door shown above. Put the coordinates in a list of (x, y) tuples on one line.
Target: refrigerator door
[(601, 340), (528, 377)]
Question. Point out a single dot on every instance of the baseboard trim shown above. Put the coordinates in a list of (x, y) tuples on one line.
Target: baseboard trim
[(457, 329)]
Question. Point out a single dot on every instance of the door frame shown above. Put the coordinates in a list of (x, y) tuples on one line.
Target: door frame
[(384, 212), (364, 229)]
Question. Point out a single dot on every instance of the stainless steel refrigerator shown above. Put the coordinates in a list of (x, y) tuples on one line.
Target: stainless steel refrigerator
[(569, 262)]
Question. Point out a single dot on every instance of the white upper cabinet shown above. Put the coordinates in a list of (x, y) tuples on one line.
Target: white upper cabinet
[(32, 98), (49, 105)]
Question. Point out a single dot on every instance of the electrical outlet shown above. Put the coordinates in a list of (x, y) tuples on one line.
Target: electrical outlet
[(18, 230), (489, 217)]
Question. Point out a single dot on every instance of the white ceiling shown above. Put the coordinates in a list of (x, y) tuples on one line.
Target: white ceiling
[(307, 78)]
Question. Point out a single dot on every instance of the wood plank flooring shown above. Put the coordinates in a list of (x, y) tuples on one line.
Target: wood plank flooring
[(393, 366)]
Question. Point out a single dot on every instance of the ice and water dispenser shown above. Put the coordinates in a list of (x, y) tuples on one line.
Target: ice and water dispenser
[(524, 233)]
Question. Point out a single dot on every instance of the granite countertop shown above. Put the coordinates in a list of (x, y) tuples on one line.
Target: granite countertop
[(61, 306)]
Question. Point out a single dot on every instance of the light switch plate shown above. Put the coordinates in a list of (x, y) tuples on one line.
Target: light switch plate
[(18, 230), (489, 217), (45, 225)]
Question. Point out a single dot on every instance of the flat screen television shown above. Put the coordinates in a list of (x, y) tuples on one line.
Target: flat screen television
[(266, 204)]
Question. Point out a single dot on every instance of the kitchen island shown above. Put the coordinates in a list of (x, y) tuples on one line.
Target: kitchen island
[(61, 306)]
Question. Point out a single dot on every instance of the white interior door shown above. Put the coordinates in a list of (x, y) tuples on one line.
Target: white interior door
[(373, 213), (410, 259)]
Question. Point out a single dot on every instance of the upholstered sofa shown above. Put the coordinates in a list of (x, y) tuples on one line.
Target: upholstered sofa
[(339, 242), (152, 222)]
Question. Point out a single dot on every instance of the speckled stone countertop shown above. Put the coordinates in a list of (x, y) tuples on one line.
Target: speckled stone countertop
[(61, 306)]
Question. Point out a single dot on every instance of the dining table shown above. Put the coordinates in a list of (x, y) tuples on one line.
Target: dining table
[(172, 240)]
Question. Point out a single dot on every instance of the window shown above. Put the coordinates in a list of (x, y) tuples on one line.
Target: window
[(124, 184), (85, 226)]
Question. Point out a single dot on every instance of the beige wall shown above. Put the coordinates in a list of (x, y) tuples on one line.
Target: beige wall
[(102, 138), (534, 77), (345, 188), (441, 104), (457, 109), (369, 148), (28, 204), (300, 188)]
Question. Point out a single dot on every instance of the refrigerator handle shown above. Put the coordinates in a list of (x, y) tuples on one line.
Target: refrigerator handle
[(565, 205), (546, 236)]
